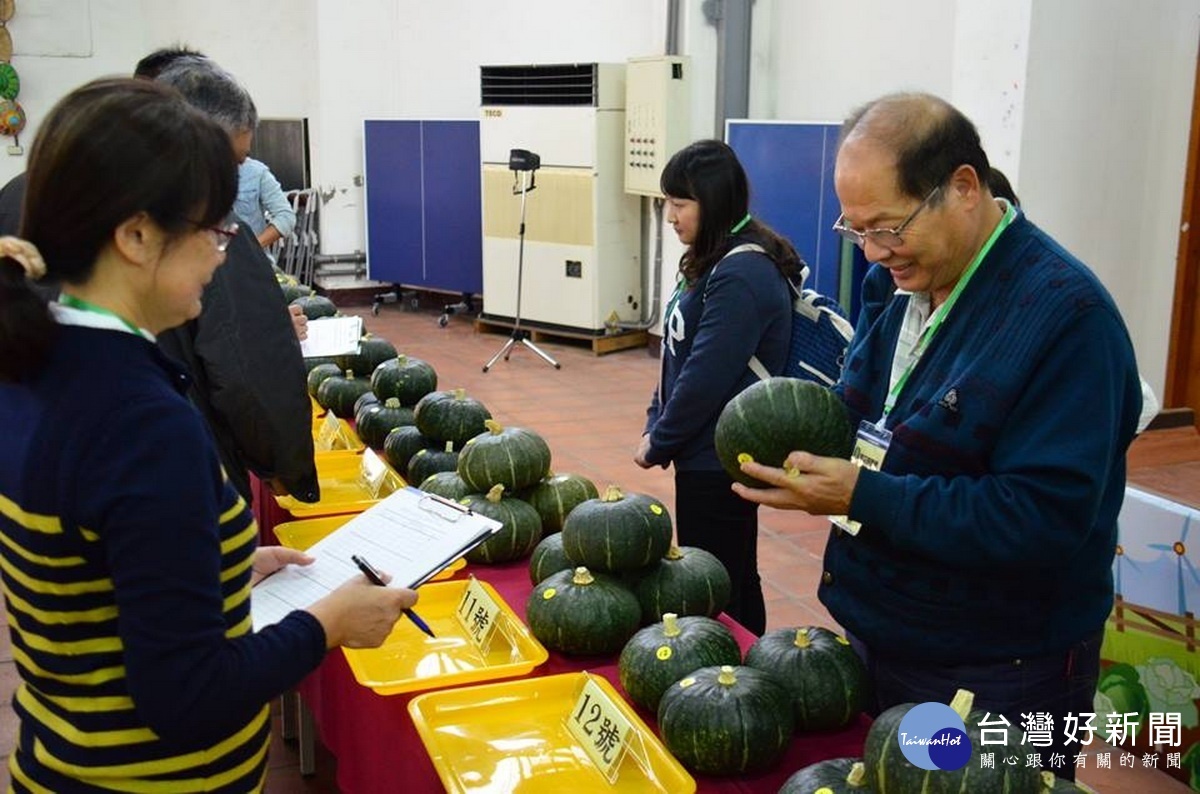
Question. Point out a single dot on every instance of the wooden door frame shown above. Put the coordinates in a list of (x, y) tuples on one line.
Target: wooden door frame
[(1183, 348)]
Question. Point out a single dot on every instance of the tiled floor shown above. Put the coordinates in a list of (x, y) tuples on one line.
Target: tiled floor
[(591, 412)]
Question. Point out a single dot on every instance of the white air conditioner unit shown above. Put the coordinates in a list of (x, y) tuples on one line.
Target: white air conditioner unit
[(582, 250)]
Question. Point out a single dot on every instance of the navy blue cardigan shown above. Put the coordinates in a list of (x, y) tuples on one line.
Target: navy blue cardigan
[(990, 531)]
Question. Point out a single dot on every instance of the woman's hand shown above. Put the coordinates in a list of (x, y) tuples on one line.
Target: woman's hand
[(821, 486), (360, 614), (269, 559), (643, 450)]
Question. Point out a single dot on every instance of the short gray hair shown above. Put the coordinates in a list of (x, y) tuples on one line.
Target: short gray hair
[(213, 91)]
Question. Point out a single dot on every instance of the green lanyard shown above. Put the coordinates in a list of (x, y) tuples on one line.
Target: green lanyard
[(939, 316), (88, 306)]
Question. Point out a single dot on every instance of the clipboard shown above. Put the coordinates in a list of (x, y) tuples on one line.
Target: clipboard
[(411, 535)]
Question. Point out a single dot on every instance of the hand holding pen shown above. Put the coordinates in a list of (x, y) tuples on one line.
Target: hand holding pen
[(377, 579), (358, 614)]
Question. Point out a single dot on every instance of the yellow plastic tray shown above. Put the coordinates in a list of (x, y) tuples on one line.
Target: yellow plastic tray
[(512, 737), (302, 534), (409, 660), (346, 439), (316, 407), (342, 490)]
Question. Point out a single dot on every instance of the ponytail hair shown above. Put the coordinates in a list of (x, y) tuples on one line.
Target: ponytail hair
[(26, 328)]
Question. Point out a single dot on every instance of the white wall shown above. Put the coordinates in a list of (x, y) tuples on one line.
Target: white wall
[(1108, 110), (1084, 103)]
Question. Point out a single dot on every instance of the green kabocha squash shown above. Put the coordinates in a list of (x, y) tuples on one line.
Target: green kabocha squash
[(406, 378), (374, 421), (556, 495), (548, 557), (446, 484), (510, 456), (367, 398), (429, 461), (401, 444), (318, 374), (580, 613), (835, 776), (774, 417), (827, 680), (687, 581), (661, 654), (338, 393), (312, 363), (372, 351), (451, 416), (889, 771), (293, 291), (617, 532), (315, 306), (520, 531), (726, 720)]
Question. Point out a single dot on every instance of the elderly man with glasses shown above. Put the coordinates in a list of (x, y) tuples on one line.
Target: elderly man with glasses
[(993, 376)]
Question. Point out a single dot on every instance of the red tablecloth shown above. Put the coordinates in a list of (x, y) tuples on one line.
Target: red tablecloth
[(378, 749)]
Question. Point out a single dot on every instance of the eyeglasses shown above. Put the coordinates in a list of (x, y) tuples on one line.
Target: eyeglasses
[(222, 235), (885, 238)]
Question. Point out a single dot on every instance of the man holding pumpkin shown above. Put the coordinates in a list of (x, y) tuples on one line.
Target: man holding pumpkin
[(993, 375)]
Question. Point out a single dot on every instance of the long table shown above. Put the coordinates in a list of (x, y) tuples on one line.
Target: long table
[(378, 749)]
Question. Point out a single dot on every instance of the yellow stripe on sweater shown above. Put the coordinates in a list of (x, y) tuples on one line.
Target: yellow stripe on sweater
[(35, 522)]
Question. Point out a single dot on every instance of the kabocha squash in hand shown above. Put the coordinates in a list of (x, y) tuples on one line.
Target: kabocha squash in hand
[(521, 530), (556, 495), (888, 770), (315, 306), (687, 581), (510, 456), (659, 655), (374, 421), (406, 378), (548, 558), (318, 374), (835, 776), (617, 532), (429, 461), (451, 416), (338, 393), (446, 484), (772, 418), (726, 720), (401, 444), (580, 613), (372, 351), (827, 681)]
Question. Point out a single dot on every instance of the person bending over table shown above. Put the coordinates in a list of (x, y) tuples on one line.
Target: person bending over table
[(127, 555), (1000, 384)]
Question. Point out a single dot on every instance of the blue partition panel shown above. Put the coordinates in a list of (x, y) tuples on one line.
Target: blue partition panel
[(423, 206)]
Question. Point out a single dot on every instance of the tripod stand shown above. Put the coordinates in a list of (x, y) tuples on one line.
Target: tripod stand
[(519, 335)]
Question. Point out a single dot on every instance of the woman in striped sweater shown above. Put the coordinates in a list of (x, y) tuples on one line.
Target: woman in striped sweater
[(127, 557)]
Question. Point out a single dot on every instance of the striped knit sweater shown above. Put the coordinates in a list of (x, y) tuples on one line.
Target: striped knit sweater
[(126, 568), (990, 532)]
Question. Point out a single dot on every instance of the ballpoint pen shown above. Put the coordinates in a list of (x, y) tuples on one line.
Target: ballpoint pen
[(372, 574)]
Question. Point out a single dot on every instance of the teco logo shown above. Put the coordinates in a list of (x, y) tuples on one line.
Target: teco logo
[(492, 113)]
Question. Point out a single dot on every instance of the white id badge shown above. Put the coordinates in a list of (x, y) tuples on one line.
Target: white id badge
[(870, 447)]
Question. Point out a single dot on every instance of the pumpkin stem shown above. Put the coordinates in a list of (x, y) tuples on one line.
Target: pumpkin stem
[(963, 700), (497, 491), (582, 576), (802, 639), (673, 553), (460, 393), (349, 374), (493, 425), (450, 448), (391, 402), (670, 624), (612, 494), (858, 775), (1047, 781), (726, 676)]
